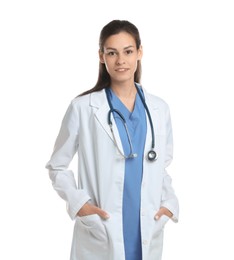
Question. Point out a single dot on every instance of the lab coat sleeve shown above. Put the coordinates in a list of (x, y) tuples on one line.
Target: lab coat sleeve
[(169, 199), (65, 147)]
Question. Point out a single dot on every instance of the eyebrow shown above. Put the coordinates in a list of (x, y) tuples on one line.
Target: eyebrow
[(114, 49)]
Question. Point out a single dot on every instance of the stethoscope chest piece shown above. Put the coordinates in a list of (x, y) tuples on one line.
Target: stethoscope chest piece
[(152, 156)]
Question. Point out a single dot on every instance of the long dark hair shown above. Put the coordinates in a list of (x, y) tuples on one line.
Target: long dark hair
[(115, 27)]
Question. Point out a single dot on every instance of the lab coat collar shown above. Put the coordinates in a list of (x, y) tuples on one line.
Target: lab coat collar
[(98, 100)]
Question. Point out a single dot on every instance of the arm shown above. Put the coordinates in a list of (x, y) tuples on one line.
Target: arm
[(66, 146), (169, 201)]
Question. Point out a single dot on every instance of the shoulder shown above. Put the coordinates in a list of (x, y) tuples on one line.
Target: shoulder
[(94, 99), (80, 101), (151, 99), (156, 101)]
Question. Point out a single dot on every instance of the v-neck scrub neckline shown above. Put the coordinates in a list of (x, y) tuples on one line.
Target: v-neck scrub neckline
[(136, 123)]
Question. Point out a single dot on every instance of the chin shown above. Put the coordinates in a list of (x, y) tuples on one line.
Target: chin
[(123, 78)]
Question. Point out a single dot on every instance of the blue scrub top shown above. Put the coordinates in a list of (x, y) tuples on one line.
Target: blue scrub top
[(136, 124)]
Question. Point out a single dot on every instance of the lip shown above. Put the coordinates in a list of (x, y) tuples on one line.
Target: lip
[(121, 69)]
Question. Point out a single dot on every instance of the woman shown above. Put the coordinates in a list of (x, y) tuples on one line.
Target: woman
[(123, 139)]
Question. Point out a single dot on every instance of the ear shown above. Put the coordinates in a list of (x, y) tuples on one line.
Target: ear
[(101, 58), (140, 53)]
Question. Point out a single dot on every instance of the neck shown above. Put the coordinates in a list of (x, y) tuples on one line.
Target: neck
[(124, 90), (126, 93)]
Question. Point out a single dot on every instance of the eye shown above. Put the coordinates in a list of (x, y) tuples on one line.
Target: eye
[(111, 53), (129, 52)]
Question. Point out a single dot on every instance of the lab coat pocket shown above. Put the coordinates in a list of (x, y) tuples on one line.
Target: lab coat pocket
[(93, 224), (159, 225)]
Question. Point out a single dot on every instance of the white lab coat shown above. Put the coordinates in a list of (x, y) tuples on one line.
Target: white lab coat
[(85, 130)]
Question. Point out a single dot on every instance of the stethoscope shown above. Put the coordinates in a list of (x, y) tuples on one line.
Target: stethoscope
[(152, 155)]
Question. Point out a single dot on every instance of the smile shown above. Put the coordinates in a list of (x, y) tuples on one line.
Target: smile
[(121, 70)]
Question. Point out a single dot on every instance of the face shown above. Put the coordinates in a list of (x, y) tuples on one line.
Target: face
[(120, 56)]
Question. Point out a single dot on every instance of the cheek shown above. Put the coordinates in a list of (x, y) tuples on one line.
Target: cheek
[(109, 64), (107, 67), (133, 61), (134, 64)]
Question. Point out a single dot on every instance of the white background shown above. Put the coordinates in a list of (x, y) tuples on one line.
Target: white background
[(48, 55)]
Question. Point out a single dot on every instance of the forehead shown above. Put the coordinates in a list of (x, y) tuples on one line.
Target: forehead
[(119, 41)]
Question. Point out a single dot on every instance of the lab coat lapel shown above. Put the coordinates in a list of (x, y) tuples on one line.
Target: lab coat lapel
[(99, 101), (153, 109)]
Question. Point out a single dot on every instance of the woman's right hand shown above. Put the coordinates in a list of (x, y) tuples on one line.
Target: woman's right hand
[(89, 209)]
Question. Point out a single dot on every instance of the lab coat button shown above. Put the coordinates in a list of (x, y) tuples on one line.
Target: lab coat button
[(142, 213), (145, 242)]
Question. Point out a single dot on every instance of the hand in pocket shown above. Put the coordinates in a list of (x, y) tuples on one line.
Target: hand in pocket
[(163, 211), (89, 209)]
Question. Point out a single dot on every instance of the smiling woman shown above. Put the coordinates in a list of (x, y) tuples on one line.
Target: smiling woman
[(124, 197), (120, 56)]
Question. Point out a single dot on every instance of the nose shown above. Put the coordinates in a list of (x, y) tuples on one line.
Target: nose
[(120, 60)]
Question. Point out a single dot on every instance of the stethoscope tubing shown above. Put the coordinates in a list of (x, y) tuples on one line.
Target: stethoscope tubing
[(152, 155), (149, 117)]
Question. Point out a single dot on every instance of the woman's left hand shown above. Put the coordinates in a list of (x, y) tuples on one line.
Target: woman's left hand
[(163, 211)]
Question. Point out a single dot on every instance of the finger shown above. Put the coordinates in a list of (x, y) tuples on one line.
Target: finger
[(158, 214), (103, 214), (89, 209), (85, 210)]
